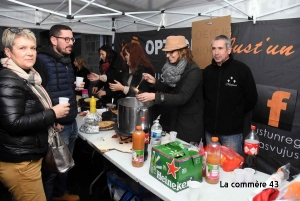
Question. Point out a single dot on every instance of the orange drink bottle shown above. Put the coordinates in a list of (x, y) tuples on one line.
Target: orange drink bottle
[(138, 146), (213, 160)]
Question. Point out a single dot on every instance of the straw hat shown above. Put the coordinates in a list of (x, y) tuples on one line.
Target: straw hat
[(175, 43)]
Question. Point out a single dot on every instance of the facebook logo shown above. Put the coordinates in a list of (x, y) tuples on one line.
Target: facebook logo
[(275, 107)]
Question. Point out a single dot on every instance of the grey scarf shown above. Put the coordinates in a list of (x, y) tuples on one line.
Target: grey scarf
[(172, 72)]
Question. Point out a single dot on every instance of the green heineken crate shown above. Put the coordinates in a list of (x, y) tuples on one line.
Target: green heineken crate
[(173, 165)]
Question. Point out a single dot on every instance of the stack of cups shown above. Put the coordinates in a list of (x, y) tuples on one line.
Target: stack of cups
[(244, 175)]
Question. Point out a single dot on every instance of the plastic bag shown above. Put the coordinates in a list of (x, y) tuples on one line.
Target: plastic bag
[(291, 191), (230, 160)]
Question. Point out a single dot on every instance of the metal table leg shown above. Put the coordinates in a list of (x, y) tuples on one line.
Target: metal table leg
[(102, 172)]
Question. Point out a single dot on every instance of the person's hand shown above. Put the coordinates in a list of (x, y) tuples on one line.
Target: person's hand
[(94, 90), (117, 86), (81, 87), (149, 78), (59, 127), (144, 97), (101, 93), (61, 110), (93, 77)]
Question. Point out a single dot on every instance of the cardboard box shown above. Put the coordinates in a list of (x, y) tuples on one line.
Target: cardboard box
[(174, 165)]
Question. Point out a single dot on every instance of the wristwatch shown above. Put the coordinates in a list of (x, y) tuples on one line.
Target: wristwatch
[(162, 98)]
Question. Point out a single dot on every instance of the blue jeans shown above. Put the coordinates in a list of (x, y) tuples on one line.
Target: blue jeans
[(234, 141), (56, 184)]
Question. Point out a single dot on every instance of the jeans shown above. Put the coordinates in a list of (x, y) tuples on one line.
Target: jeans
[(234, 141), (56, 184)]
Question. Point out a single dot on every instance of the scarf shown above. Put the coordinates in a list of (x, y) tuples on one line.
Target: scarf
[(104, 67), (34, 82), (172, 72)]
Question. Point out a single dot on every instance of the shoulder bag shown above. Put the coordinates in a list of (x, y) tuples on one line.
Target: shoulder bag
[(58, 158)]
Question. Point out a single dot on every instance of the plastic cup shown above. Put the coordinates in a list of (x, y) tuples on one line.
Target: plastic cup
[(78, 81), (239, 175), (249, 174), (63, 100), (194, 190), (173, 135)]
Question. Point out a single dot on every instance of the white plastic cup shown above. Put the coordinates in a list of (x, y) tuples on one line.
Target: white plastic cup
[(249, 174), (239, 175), (173, 135), (194, 190), (63, 100), (78, 81)]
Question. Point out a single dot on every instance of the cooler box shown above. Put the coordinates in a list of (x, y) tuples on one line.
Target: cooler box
[(174, 165)]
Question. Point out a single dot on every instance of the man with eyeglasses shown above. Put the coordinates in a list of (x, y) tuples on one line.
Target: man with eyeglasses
[(54, 66)]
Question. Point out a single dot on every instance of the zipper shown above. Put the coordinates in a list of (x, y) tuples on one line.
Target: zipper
[(218, 96)]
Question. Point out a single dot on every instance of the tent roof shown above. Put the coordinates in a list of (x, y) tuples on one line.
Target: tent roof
[(96, 16)]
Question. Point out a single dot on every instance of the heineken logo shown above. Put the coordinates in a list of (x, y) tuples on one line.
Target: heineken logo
[(172, 168), (178, 186)]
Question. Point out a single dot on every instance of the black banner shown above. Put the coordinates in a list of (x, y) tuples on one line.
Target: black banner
[(271, 50)]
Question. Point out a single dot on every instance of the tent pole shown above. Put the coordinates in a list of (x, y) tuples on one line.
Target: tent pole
[(50, 13), (96, 15), (279, 10), (143, 12), (181, 13), (70, 7), (236, 8), (86, 5), (38, 8)]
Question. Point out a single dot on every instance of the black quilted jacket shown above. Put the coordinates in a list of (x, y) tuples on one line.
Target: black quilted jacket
[(23, 120)]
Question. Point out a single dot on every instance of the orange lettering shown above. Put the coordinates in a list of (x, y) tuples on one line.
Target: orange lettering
[(287, 50), (276, 105)]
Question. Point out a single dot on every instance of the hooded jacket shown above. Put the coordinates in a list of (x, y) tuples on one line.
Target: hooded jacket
[(23, 120), (58, 79), (229, 93)]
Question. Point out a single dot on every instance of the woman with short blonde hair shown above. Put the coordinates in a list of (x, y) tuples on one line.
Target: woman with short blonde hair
[(26, 115)]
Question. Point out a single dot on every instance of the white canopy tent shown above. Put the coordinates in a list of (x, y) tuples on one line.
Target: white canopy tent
[(106, 16)]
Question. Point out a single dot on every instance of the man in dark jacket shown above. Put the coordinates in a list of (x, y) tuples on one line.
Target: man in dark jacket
[(54, 66), (230, 93)]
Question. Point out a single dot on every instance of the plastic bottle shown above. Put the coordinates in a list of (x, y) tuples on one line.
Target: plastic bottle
[(275, 180), (213, 160), (138, 145), (92, 105), (251, 147), (147, 140), (156, 131)]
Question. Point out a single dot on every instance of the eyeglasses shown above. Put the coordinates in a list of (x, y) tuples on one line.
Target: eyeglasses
[(169, 52), (67, 39), (18, 30)]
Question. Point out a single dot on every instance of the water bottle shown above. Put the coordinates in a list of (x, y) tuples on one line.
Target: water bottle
[(251, 147), (213, 161), (156, 131)]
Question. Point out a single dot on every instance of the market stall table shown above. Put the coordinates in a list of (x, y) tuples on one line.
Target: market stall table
[(208, 191)]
